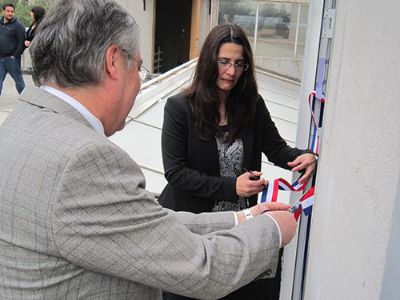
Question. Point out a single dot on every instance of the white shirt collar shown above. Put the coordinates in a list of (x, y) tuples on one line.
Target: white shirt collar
[(93, 121)]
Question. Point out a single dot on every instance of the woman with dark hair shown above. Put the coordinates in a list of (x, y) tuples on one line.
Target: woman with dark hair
[(37, 14), (217, 128)]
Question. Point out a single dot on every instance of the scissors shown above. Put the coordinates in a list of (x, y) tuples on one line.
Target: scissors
[(295, 206)]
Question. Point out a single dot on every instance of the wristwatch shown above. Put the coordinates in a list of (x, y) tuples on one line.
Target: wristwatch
[(247, 213)]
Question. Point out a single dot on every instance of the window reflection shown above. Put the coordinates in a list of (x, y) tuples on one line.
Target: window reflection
[(276, 29)]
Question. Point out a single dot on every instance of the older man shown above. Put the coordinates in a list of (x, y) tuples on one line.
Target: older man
[(75, 219)]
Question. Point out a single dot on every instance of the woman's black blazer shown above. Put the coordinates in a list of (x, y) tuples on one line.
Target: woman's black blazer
[(191, 164)]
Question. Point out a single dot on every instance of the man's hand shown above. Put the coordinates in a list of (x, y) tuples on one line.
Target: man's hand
[(287, 225), (268, 206), (278, 211), (261, 208)]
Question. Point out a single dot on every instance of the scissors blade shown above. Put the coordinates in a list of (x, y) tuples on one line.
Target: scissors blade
[(295, 206)]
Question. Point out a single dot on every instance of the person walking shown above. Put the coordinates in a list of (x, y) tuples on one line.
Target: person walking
[(12, 37)]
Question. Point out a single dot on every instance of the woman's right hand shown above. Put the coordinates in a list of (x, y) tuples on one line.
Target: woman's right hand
[(246, 187)]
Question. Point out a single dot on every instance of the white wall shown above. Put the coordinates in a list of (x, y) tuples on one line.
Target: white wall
[(353, 233), (390, 288), (145, 19)]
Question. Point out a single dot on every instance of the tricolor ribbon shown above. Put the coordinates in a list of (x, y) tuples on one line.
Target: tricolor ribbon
[(305, 203), (314, 142), (270, 191), (270, 194)]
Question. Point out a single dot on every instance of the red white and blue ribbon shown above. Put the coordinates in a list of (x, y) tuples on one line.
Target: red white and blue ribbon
[(305, 203), (314, 141), (270, 191)]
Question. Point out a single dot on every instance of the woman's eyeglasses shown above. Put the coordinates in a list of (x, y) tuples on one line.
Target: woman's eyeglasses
[(238, 66)]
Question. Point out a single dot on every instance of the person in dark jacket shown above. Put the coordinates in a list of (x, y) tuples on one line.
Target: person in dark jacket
[(12, 37), (217, 128), (37, 14)]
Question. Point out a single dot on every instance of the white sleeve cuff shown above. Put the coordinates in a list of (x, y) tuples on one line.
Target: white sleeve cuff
[(236, 218)]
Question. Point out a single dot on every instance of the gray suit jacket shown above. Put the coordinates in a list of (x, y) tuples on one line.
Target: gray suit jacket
[(77, 223)]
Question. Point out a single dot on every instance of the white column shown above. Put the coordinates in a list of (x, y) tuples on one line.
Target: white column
[(353, 233)]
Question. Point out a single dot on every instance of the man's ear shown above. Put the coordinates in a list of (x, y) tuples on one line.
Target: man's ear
[(112, 61)]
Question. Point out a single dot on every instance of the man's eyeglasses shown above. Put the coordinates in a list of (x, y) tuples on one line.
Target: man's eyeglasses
[(239, 66), (143, 73)]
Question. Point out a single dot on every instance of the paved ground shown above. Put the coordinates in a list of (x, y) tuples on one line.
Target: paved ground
[(9, 95)]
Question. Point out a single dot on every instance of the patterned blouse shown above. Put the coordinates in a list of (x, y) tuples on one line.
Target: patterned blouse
[(230, 165)]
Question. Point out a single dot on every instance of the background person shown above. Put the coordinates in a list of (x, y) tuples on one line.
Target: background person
[(75, 219), (217, 128), (12, 36), (37, 14)]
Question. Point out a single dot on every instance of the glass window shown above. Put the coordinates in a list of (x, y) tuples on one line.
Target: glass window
[(276, 29)]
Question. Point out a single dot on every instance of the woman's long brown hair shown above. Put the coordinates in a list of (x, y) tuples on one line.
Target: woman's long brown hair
[(202, 93)]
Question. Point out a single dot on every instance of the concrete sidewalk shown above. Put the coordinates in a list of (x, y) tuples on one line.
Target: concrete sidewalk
[(9, 95)]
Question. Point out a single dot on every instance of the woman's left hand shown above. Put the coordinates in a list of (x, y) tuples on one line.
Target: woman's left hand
[(305, 162)]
